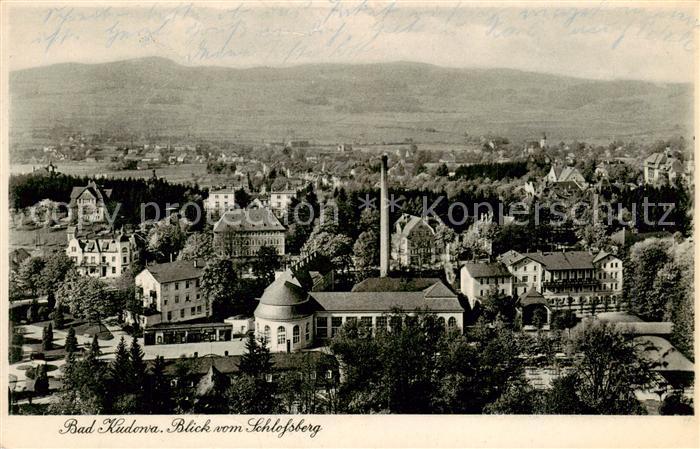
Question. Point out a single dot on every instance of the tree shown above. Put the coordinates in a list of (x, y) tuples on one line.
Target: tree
[(57, 267), (16, 346), (366, 253), (166, 238), (159, 392), (251, 392), (442, 170), (641, 288), (71, 344), (266, 262), (41, 380), (51, 300), (220, 285), (87, 297), (137, 366), (47, 338), (562, 398), (497, 306), (676, 404), (33, 311), (610, 370), (120, 369), (519, 398), (29, 274), (199, 245), (59, 320)]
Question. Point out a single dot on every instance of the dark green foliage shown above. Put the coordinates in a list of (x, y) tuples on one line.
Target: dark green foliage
[(266, 262), (493, 171), (676, 404), (16, 346), (71, 344), (41, 380), (59, 320), (47, 338)]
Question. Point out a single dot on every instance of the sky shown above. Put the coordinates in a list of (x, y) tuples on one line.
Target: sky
[(599, 40)]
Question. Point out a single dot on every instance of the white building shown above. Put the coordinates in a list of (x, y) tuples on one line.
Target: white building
[(104, 257), (478, 279), (280, 200), (290, 319), (170, 292), (414, 242), (89, 203), (220, 200)]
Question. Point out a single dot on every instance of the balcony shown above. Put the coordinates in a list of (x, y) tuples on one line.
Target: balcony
[(570, 283)]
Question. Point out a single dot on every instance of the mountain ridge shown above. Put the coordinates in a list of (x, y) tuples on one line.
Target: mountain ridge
[(334, 102)]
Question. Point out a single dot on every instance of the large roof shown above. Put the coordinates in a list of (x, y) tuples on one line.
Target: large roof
[(284, 300), (479, 270), (563, 260), (248, 220), (664, 354), (179, 270), (437, 298), (407, 222), (389, 284), (532, 297), (93, 188)]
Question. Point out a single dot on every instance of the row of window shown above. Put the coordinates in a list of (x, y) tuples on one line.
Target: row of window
[(282, 334), (380, 323), (193, 311), (176, 285), (176, 298)]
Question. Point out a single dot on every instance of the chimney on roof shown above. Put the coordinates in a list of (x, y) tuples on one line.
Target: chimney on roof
[(384, 221)]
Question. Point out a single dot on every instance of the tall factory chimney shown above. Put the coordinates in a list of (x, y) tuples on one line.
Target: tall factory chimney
[(384, 242)]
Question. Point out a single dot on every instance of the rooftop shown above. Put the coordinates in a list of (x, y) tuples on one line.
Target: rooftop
[(176, 271), (247, 220), (389, 284), (479, 270)]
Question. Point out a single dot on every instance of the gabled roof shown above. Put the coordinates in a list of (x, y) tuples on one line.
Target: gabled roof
[(389, 284), (179, 270), (384, 302), (93, 189), (531, 297), (565, 260), (248, 220), (406, 223), (439, 290), (664, 354), (480, 270)]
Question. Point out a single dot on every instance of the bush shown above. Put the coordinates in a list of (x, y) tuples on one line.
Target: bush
[(41, 384), (16, 347)]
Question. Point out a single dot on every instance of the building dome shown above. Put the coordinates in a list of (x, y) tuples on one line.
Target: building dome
[(283, 300)]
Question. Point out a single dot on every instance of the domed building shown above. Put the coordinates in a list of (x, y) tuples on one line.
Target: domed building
[(284, 315)]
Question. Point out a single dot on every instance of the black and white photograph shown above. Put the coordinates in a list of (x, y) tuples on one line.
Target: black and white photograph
[(299, 210)]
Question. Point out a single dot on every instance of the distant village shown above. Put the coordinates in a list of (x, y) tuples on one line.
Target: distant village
[(255, 275)]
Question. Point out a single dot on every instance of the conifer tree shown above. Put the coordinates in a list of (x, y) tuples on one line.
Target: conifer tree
[(71, 344)]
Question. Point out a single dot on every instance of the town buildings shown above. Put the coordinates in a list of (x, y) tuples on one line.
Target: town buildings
[(104, 256), (170, 293), (280, 199), (579, 280), (89, 203), (414, 242), (242, 232), (563, 176), (661, 166), (220, 200), (290, 318)]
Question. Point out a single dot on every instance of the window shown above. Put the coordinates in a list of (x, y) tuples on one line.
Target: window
[(441, 322), (114, 270), (187, 284), (307, 335), (321, 327), (114, 259), (524, 278), (281, 335), (295, 335), (165, 300), (177, 286), (187, 297), (192, 310), (351, 320), (124, 259), (366, 321), (381, 323), (177, 298), (165, 287), (451, 323), (336, 323), (266, 334), (170, 316), (199, 309), (182, 313), (395, 322), (329, 374)]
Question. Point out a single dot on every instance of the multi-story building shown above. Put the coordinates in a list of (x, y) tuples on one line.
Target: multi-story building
[(220, 200), (290, 318), (170, 292), (242, 232), (414, 242), (102, 256), (568, 279), (562, 176), (89, 203), (661, 165), (280, 200), (478, 279)]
